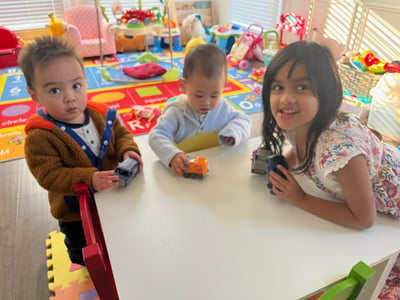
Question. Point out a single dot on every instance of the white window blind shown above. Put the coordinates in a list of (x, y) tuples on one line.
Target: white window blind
[(263, 12), (357, 26), (380, 35), (28, 14)]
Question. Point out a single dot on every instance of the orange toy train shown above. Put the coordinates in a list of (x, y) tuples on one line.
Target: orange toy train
[(198, 167)]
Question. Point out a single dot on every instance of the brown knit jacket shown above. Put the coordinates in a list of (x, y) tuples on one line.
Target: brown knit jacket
[(58, 163)]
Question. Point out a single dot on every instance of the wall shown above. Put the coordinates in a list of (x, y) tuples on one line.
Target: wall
[(221, 11)]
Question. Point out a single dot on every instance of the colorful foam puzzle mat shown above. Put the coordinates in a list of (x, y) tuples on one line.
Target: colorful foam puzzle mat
[(16, 105), (68, 281)]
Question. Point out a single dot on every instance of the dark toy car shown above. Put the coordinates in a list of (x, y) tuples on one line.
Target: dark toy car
[(259, 161), (273, 162), (127, 170)]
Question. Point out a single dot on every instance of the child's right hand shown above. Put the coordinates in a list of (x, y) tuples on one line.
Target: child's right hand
[(286, 186), (179, 164), (102, 180)]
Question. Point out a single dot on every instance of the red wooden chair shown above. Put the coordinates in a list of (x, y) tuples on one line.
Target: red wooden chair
[(95, 253)]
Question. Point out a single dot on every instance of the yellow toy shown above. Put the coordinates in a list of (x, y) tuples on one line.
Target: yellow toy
[(57, 27), (368, 60), (193, 42)]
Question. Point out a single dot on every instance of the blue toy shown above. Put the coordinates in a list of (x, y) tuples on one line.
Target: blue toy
[(224, 36), (127, 170), (273, 162)]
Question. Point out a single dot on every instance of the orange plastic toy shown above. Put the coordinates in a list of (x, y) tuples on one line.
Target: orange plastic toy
[(198, 167)]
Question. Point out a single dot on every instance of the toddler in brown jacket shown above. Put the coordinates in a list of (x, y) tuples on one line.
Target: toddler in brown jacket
[(69, 140)]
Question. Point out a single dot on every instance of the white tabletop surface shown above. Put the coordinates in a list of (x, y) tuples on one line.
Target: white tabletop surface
[(225, 237)]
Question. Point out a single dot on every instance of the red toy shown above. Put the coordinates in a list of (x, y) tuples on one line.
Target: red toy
[(141, 15), (9, 48), (292, 23), (257, 74), (146, 112), (392, 67), (247, 46)]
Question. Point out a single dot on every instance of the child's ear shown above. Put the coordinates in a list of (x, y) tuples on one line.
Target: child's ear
[(34, 96), (182, 84)]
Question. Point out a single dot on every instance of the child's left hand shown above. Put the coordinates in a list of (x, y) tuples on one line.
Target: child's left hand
[(134, 155), (288, 189), (228, 139)]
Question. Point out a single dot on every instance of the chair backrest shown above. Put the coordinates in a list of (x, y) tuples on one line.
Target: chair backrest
[(95, 253), (8, 39), (348, 288), (84, 18)]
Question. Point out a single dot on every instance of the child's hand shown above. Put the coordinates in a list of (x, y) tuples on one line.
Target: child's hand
[(103, 180), (134, 155), (228, 140), (288, 189), (179, 164)]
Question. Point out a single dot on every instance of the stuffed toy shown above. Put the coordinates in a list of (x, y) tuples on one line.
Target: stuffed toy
[(144, 71), (192, 27)]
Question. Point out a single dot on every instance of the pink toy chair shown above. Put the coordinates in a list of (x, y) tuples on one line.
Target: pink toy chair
[(95, 253), (9, 48), (292, 23), (82, 31)]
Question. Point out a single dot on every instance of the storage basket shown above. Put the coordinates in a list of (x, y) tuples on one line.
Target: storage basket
[(357, 82)]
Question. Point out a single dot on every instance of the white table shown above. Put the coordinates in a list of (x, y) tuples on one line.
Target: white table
[(225, 237)]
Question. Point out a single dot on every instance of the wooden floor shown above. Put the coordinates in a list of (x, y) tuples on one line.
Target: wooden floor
[(25, 222)]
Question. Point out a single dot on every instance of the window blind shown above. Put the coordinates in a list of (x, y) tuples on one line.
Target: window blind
[(264, 12), (28, 14), (357, 26), (379, 35)]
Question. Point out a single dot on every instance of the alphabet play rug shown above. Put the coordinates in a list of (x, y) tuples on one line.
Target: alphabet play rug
[(16, 106)]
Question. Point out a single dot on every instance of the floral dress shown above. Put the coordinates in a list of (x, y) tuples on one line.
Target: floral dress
[(346, 138)]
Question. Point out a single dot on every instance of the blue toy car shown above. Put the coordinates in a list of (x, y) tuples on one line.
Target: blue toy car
[(273, 162), (127, 170)]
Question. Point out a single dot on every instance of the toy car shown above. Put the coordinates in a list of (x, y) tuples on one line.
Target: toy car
[(197, 168), (273, 162), (259, 161), (127, 170)]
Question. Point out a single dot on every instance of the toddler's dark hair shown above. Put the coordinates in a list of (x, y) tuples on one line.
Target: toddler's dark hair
[(41, 51), (208, 59)]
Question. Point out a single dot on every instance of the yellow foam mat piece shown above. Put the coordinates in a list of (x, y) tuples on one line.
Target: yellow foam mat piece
[(66, 280)]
